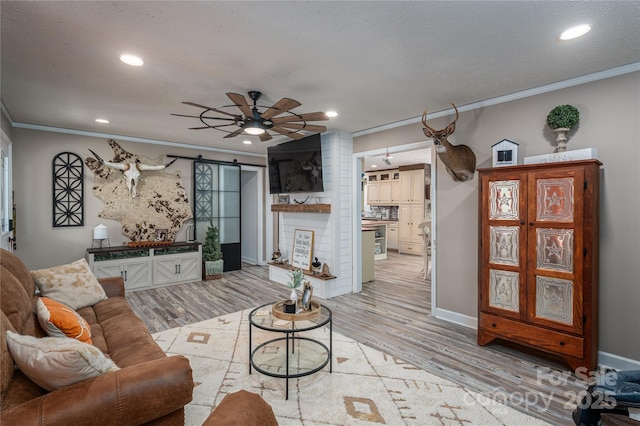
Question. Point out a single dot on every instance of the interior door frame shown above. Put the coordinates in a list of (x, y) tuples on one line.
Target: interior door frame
[(357, 159)]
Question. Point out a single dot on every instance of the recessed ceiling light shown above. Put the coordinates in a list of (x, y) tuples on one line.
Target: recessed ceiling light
[(102, 121), (133, 60), (331, 114), (247, 142), (575, 32), (374, 165)]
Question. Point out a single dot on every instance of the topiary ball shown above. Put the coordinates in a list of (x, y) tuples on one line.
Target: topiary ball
[(563, 116)]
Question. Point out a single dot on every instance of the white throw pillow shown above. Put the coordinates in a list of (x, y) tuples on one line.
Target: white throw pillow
[(73, 284), (55, 362)]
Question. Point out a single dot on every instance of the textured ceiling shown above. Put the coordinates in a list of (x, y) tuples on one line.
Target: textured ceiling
[(374, 62)]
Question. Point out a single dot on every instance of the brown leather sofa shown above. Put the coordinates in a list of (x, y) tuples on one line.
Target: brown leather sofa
[(150, 388)]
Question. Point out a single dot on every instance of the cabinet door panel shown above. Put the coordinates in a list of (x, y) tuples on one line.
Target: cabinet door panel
[(137, 273), (503, 244), (190, 269), (108, 269), (165, 271), (555, 227)]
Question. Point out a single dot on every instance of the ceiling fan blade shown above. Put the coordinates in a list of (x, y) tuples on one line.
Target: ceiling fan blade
[(310, 116), (210, 108), (285, 132), (304, 126), (265, 137), (241, 102), (212, 127), (234, 133), (283, 105), (197, 116)]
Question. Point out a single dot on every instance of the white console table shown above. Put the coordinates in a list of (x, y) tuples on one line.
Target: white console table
[(150, 266)]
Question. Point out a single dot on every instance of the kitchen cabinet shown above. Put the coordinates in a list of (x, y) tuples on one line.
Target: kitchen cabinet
[(412, 185), (368, 256), (538, 258), (136, 272), (409, 234), (392, 236), (380, 187)]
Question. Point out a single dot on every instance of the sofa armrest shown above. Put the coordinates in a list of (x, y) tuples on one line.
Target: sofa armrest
[(113, 286), (131, 396)]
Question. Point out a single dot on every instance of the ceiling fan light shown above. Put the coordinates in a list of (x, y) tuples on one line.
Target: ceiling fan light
[(254, 130)]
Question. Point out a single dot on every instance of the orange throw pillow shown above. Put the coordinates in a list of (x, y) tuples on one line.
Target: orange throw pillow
[(59, 320)]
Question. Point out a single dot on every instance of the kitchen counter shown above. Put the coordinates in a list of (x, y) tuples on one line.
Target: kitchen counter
[(380, 228)]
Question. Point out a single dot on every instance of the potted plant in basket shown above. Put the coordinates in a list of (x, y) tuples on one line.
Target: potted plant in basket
[(561, 119), (212, 254)]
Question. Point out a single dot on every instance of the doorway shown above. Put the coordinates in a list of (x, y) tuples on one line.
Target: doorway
[(404, 258)]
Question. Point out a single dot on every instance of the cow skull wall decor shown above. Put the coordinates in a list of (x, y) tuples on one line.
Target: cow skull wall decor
[(132, 171), (459, 160)]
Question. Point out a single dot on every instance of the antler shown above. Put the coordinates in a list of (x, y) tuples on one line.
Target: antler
[(424, 119), (119, 166)]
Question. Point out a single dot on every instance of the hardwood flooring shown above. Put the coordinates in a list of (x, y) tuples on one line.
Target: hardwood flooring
[(391, 314)]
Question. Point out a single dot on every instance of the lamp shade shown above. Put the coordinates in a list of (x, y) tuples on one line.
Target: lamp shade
[(100, 232)]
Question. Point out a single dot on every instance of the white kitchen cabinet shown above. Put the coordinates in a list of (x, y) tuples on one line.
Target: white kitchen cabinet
[(392, 236), (379, 188), (412, 186), (135, 272), (409, 235)]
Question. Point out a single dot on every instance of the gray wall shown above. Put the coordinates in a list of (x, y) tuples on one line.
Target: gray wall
[(609, 121), (41, 245)]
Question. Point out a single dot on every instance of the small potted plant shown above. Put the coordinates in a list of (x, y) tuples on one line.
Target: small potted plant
[(297, 277), (561, 119), (212, 254)]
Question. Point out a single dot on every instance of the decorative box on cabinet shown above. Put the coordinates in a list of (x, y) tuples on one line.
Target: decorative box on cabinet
[(538, 258), (146, 267)]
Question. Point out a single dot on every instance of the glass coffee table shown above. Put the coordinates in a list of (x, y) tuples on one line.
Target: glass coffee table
[(298, 351)]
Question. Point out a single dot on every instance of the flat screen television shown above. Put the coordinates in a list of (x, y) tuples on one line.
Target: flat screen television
[(296, 166)]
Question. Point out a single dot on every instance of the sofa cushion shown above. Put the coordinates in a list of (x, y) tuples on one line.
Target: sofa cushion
[(56, 362), (13, 264), (6, 362), (59, 320), (16, 304), (72, 284)]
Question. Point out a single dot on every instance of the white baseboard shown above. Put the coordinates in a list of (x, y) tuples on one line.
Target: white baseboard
[(605, 359), (617, 362), (456, 318)]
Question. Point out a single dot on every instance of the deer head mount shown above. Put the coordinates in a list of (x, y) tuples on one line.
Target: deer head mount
[(459, 160)]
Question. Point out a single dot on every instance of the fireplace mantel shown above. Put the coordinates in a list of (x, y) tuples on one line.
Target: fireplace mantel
[(301, 208)]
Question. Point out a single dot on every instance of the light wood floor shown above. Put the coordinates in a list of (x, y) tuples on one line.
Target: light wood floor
[(392, 314)]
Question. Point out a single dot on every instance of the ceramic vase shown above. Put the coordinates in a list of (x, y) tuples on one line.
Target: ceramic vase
[(294, 296)]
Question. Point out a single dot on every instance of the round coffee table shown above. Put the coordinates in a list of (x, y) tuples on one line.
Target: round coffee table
[(281, 359)]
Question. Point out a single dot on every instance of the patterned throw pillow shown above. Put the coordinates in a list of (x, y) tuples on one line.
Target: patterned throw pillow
[(59, 320), (55, 362), (73, 284)]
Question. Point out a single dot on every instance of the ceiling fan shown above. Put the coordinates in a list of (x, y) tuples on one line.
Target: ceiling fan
[(257, 119)]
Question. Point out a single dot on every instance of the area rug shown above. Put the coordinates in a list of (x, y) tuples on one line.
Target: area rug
[(365, 387)]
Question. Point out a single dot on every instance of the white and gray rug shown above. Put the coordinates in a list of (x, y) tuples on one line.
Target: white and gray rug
[(366, 387)]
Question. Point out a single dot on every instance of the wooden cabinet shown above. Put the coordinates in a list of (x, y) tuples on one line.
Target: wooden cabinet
[(396, 188), (392, 236), (538, 258), (380, 187), (412, 186), (409, 235), (146, 267)]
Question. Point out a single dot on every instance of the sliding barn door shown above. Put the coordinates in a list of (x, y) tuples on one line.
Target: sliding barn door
[(217, 201)]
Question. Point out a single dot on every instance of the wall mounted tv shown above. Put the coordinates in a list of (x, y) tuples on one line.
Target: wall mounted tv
[(296, 166)]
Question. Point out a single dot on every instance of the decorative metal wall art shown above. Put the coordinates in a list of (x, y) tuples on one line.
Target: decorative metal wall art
[(68, 190)]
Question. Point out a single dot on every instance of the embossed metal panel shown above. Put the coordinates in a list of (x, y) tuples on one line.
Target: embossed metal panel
[(504, 245), (554, 200), (503, 201), (554, 249), (554, 299), (504, 290)]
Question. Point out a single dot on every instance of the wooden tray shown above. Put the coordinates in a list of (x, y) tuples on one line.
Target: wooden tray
[(276, 311)]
